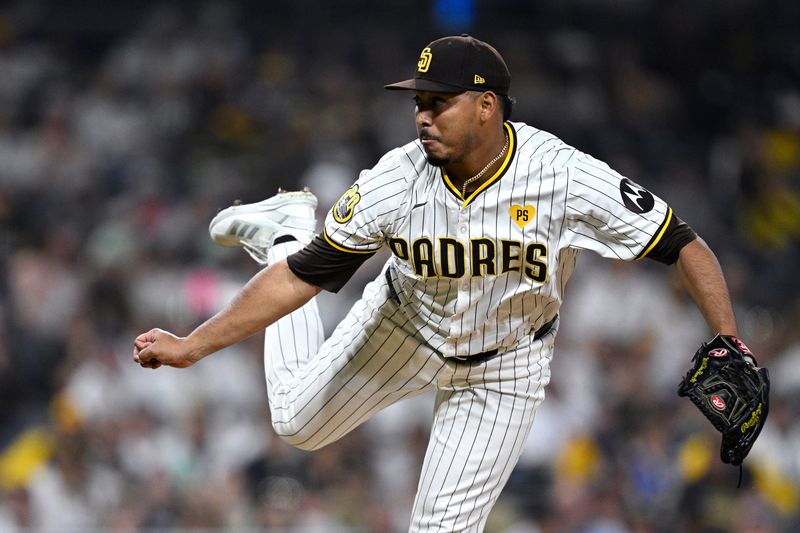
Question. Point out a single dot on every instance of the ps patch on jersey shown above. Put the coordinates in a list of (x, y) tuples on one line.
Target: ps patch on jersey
[(343, 209), (521, 215), (636, 198)]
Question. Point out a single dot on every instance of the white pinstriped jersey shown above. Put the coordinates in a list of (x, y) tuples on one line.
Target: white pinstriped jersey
[(478, 273)]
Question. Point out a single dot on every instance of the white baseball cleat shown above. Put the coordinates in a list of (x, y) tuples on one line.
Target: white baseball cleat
[(255, 227)]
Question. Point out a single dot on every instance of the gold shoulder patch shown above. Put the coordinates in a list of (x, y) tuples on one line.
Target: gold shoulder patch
[(343, 209)]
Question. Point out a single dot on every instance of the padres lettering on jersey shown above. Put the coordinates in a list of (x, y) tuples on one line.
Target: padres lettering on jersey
[(481, 272), (451, 258)]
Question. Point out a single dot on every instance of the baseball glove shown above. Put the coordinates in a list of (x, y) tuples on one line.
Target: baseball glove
[(727, 386)]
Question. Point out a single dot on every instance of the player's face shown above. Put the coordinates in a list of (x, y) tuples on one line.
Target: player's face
[(446, 124)]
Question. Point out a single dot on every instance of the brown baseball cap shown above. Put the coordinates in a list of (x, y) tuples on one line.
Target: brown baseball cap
[(456, 64)]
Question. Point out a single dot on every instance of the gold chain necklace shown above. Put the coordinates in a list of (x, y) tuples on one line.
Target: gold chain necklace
[(483, 171)]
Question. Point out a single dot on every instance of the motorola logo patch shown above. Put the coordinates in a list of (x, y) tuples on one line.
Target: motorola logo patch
[(635, 198)]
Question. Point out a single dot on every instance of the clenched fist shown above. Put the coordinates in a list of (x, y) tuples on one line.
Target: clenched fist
[(158, 347)]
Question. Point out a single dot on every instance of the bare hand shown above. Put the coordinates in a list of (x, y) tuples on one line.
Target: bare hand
[(158, 347)]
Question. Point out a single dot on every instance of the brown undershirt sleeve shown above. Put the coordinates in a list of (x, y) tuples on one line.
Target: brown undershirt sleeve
[(677, 235), (322, 265)]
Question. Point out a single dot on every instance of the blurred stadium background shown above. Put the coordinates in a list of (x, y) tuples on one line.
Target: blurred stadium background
[(124, 126)]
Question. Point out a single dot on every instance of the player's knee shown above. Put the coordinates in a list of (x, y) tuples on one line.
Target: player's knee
[(298, 438), (305, 445)]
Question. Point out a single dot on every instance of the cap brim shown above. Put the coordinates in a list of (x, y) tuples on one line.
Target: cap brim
[(419, 84)]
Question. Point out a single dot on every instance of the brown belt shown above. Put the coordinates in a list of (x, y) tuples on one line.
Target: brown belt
[(483, 356)]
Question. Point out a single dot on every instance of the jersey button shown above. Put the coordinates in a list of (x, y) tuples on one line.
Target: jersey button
[(462, 229)]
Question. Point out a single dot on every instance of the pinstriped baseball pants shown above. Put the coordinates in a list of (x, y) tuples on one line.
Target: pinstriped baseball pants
[(320, 390)]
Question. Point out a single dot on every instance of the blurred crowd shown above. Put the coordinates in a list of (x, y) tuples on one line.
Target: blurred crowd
[(124, 126)]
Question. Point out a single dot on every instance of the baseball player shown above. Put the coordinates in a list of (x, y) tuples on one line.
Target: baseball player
[(484, 219)]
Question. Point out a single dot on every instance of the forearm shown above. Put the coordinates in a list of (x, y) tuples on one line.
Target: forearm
[(702, 277), (271, 294)]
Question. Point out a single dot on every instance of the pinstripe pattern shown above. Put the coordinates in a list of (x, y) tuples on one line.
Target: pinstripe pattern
[(376, 357), (511, 281), (483, 416), (372, 359), (297, 337), (578, 205)]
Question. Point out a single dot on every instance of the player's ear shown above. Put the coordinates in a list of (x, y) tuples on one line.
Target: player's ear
[(489, 104)]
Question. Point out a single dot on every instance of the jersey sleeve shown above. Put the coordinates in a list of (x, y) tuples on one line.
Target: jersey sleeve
[(322, 265), (609, 214), (357, 222)]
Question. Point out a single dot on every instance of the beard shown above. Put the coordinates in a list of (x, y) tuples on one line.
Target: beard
[(433, 160), (437, 161)]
